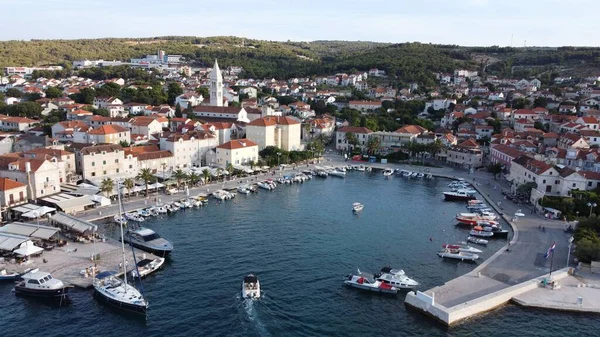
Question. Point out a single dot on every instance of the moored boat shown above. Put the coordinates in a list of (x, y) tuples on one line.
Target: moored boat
[(119, 220), (148, 240), (111, 290), (477, 240), (457, 255), (396, 278), (460, 195), (474, 219), (146, 267), (6, 276), (462, 248), (251, 287), (478, 231), (367, 282), (37, 283), (388, 172), (337, 173)]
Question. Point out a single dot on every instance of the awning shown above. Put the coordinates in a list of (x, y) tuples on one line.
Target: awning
[(25, 208), (73, 223), (100, 200), (39, 212), (28, 249), (30, 230), (9, 242), (68, 203)]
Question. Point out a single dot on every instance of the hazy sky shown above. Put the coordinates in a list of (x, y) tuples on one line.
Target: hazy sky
[(464, 22)]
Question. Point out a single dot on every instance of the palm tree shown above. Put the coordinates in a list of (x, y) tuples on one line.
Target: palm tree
[(230, 169), (179, 175), (373, 145), (351, 139), (146, 175), (194, 178), (219, 172), (128, 184), (206, 176), (252, 163), (436, 147), (106, 186)]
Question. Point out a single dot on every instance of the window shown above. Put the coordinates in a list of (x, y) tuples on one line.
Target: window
[(574, 184), (117, 170), (590, 184), (11, 198), (104, 162), (93, 174), (556, 182), (93, 163), (116, 161), (104, 172), (544, 181)]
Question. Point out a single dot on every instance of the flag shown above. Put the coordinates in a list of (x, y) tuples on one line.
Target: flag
[(550, 250)]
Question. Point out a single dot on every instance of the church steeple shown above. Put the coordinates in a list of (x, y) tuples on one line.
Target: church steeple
[(216, 86)]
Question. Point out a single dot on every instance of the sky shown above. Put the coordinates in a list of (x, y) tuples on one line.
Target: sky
[(461, 22)]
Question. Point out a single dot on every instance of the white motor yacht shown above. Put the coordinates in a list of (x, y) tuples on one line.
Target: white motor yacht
[(37, 283), (420, 175), (477, 240), (457, 255), (396, 278), (264, 185), (360, 168), (406, 174), (367, 282), (357, 207), (462, 248), (251, 287), (337, 173), (388, 172)]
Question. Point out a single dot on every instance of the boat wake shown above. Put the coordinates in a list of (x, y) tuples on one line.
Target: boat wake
[(253, 318)]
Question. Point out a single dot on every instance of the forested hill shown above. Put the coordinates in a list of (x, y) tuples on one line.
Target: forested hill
[(409, 61)]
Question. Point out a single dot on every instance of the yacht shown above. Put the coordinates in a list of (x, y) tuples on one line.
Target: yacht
[(388, 172), (396, 278), (357, 207), (108, 288), (457, 255), (149, 241), (460, 195), (37, 283), (146, 267), (480, 232), (368, 282), (251, 287)]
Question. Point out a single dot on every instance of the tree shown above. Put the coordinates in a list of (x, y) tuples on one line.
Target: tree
[(103, 112), (351, 139), (495, 169), (178, 113), (525, 189), (194, 178), (540, 102), (146, 176), (107, 186), (219, 172), (203, 91), (206, 176), (230, 169), (435, 147), (14, 92), (128, 184), (54, 92), (174, 89), (24, 109), (109, 90), (84, 96), (179, 175), (124, 143), (373, 145)]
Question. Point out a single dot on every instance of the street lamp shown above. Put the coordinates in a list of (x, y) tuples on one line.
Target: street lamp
[(591, 206), (569, 251), (278, 156)]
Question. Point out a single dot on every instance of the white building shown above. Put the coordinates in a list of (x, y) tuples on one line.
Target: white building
[(216, 86), (237, 152), (362, 134), (189, 149), (281, 132)]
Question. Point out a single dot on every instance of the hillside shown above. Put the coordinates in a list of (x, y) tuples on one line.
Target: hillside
[(408, 61)]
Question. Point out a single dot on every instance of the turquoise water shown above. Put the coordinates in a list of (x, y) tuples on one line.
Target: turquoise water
[(301, 240)]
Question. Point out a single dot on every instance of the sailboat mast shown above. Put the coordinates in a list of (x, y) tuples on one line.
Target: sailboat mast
[(122, 238)]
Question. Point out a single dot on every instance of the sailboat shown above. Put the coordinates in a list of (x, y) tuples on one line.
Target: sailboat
[(110, 289)]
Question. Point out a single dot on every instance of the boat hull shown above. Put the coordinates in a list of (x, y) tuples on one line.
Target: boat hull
[(151, 250), (453, 197), (372, 289), (130, 307), (41, 293)]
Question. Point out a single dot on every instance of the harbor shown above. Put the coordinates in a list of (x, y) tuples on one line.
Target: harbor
[(234, 233)]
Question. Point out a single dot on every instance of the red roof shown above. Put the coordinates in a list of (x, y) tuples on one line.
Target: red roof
[(237, 144), (412, 129), (355, 129), (8, 184), (108, 130)]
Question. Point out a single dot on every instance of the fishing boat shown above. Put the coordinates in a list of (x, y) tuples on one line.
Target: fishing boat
[(460, 195), (37, 283), (119, 220), (396, 278), (357, 207), (388, 172), (143, 213), (457, 255), (251, 287), (195, 202), (185, 203), (108, 288), (368, 282), (146, 267), (6, 276), (148, 240), (462, 248), (172, 208), (477, 240), (414, 174)]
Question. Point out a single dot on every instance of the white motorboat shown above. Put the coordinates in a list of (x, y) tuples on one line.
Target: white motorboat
[(184, 203), (161, 209), (322, 174), (357, 207), (429, 176), (243, 190), (420, 175), (462, 248), (406, 174), (251, 287), (367, 282), (477, 240), (360, 168), (396, 278), (195, 202), (460, 195), (6, 276), (481, 233), (337, 173), (37, 283), (388, 172), (458, 255), (120, 220), (134, 217), (414, 175), (221, 195), (264, 185), (146, 267)]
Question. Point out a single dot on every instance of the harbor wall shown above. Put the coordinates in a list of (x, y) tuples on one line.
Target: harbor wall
[(455, 314)]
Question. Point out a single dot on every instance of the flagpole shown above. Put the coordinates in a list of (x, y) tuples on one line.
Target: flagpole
[(551, 261)]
